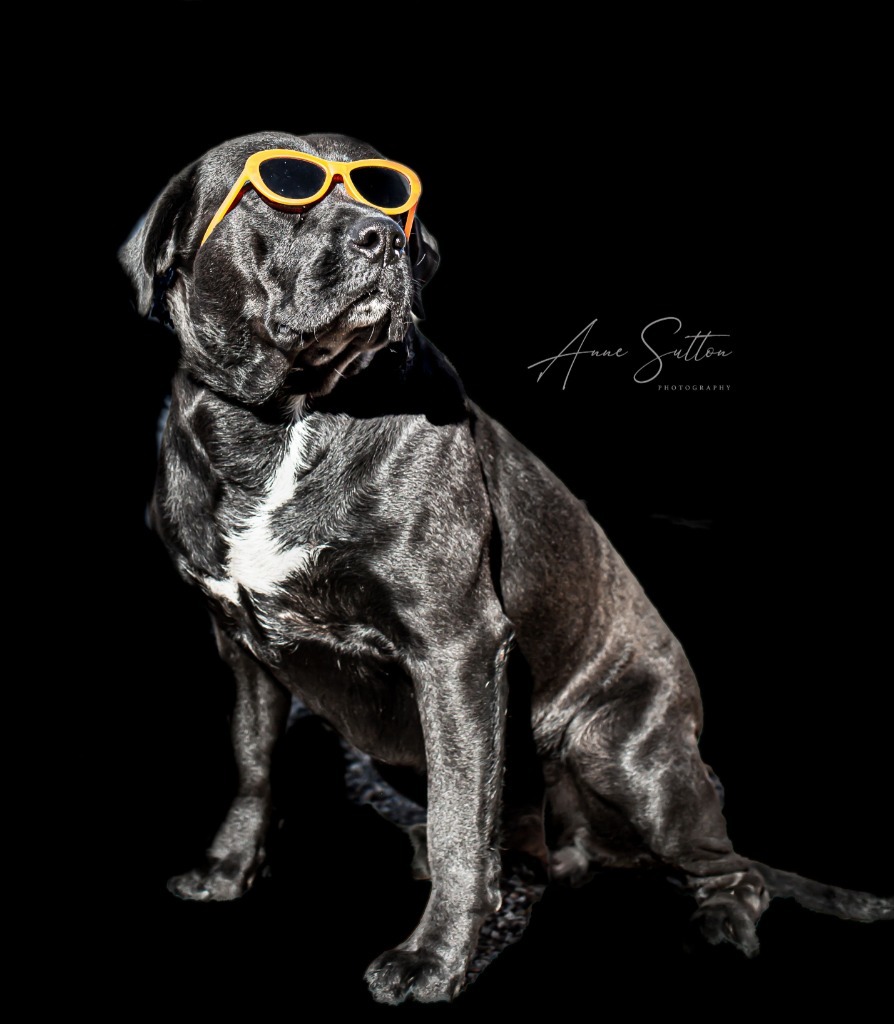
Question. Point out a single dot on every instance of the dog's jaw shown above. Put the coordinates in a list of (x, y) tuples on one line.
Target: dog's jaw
[(340, 350), (264, 361), (291, 339)]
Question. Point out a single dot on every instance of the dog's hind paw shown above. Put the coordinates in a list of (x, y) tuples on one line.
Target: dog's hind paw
[(569, 865), (727, 920), (222, 881), (402, 973)]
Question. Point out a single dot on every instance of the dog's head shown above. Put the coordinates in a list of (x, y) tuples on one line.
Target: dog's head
[(276, 301)]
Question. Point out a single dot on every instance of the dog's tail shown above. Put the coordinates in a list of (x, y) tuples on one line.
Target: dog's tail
[(848, 904)]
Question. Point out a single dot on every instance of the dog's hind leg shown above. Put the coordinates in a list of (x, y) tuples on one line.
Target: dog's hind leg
[(237, 851), (628, 788)]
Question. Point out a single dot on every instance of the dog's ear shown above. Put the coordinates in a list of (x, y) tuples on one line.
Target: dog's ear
[(424, 259), (149, 256)]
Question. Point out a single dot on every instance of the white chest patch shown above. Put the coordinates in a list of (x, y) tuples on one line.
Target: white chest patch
[(258, 560)]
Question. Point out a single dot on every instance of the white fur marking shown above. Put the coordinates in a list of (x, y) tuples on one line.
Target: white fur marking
[(224, 589), (257, 560)]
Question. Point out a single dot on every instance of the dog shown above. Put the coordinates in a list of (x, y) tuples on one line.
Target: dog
[(375, 549)]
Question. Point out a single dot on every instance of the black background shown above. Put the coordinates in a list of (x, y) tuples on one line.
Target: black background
[(553, 203)]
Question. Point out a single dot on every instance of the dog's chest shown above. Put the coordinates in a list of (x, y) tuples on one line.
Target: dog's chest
[(266, 547), (293, 557)]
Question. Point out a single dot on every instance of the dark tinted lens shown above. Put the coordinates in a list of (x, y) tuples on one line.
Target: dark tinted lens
[(381, 186), (292, 179)]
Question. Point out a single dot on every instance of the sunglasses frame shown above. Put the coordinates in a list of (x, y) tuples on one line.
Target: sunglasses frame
[(336, 171)]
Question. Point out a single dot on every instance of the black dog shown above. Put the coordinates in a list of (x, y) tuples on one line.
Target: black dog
[(372, 543)]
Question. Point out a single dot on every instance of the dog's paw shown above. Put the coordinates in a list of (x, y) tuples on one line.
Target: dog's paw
[(569, 865), (224, 880), (726, 919), (400, 974)]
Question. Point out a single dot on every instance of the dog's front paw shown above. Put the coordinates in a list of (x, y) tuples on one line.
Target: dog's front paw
[(225, 880), (401, 973)]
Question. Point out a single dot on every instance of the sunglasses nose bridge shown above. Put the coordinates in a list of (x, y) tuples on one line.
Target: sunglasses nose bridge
[(339, 178)]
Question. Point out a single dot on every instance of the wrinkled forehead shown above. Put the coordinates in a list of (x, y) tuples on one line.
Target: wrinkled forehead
[(339, 147), (229, 158)]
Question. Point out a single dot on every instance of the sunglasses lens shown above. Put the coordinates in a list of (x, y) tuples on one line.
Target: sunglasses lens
[(381, 186), (292, 179)]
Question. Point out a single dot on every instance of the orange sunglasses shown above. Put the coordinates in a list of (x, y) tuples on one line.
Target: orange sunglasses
[(288, 178)]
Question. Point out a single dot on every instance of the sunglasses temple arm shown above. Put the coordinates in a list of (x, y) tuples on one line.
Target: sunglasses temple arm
[(224, 208), (408, 227)]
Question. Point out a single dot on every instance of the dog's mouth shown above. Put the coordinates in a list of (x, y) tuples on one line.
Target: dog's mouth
[(327, 333), (340, 348), (365, 317)]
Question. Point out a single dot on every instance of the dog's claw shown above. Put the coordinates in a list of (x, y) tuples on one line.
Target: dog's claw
[(398, 974)]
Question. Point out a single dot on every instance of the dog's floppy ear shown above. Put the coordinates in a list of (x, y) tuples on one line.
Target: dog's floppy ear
[(149, 255), (424, 259)]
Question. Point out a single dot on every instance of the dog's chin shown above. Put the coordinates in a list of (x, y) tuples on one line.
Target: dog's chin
[(341, 350)]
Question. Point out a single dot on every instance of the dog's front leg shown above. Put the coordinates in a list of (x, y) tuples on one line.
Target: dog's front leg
[(462, 706), (260, 714)]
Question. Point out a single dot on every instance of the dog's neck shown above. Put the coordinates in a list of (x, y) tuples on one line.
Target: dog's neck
[(239, 445), (410, 377)]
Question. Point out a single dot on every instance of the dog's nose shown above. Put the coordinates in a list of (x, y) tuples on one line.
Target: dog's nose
[(378, 239)]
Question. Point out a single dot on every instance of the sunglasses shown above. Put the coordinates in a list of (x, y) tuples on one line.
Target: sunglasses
[(288, 178)]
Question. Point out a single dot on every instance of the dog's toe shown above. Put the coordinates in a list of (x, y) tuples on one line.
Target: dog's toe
[(220, 882), (190, 886), (400, 974)]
